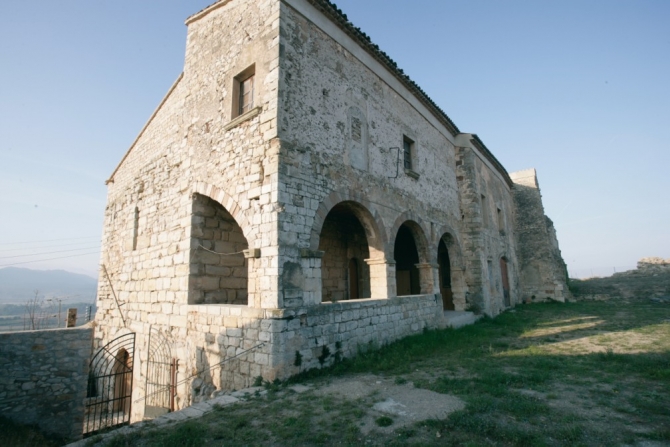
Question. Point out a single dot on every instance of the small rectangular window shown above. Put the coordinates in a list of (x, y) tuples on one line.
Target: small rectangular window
[(501, 222), (407, 152), (246, 95), (243, 91)]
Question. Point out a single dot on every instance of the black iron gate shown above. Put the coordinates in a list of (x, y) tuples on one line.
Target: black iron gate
[(161, 376), (110, 385)]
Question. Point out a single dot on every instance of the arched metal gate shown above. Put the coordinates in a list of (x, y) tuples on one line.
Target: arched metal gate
[(110, 385), (161, 376)]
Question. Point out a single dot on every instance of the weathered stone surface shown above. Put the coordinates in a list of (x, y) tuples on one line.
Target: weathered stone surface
[(43, 378)]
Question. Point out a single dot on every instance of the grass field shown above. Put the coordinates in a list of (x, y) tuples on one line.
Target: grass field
[(545, 374), (591, 374)]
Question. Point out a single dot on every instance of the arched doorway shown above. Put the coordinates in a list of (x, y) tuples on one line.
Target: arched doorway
[(406, 257), (505, 281), (219, 270), (122, 371), (344, 243), (444, 264)]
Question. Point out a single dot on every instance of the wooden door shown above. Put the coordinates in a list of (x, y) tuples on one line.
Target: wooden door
[(505, 281), (353, 279), (445, 276)]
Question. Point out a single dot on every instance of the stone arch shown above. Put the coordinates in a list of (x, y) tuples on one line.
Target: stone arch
[(364, 211), (122, 371), (451, 239), (453, 297), (419, 231), (344, 247), (218, 262), (413, 273), (230, 204)]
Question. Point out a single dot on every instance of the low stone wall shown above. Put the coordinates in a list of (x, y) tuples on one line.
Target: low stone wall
[(319, 334), (43, 377)]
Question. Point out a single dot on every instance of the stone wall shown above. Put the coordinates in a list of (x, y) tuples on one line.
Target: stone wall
[(43, 378), (542, 272), (222, 332), (342, 121), (488, 215), (194, 146)]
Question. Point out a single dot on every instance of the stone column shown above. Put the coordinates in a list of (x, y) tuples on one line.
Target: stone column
[(428, 277), (382, 278), (458, 287), (252, 255)]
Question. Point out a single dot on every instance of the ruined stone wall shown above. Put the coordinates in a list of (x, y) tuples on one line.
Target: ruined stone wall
[(542, 272), (654, 265), (44, 376), (194, 144)]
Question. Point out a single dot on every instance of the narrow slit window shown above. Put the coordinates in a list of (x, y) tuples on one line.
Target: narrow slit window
[(407, 152), (136, 224)]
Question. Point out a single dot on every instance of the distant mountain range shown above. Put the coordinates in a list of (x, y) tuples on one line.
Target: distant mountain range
[(18, 285)]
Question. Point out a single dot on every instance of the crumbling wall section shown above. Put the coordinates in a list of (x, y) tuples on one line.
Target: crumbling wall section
[(542, 271), (44, 377)]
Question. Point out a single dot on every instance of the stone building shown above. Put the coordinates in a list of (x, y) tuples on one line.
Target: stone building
[(296, 195)]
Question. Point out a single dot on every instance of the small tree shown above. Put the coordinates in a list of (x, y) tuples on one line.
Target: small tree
[(33, 317)]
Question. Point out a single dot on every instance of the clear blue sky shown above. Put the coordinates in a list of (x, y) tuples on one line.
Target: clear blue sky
[(578, 89)]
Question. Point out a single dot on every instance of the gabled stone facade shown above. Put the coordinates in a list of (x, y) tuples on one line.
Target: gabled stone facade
[(339, 208)]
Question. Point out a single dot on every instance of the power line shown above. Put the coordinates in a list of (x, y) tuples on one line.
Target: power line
[(49, 252), (50, 259), (49, 240), (45, 246)]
